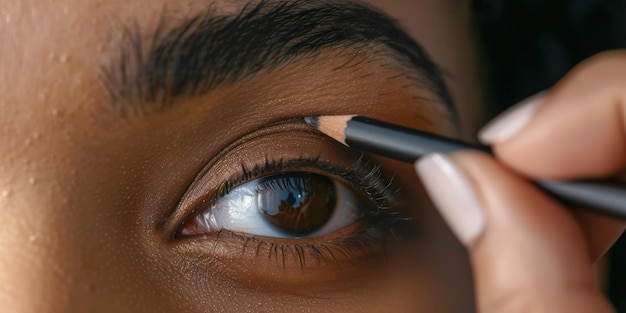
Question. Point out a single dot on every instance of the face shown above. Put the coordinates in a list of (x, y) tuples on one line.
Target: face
[(155, 158)]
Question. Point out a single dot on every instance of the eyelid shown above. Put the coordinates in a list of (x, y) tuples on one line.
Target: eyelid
[(163, 223), (288, 139)]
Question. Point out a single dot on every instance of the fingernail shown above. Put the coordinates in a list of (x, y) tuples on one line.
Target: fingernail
[(512, 121), (453, 194)]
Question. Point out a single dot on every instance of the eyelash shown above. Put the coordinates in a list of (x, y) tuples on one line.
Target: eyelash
[(365, 175)]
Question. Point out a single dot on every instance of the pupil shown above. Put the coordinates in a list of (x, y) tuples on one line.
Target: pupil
[(297, 203)]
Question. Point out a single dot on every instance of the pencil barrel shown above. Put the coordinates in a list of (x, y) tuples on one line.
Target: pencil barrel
[(408, 145), (398, 142)]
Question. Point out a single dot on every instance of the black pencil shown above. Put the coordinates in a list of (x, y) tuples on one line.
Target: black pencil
[(406, 144)]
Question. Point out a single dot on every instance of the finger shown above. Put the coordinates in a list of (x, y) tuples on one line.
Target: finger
[(528, 254), (576, 130)]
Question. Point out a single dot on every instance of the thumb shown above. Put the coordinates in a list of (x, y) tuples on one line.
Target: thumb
[(528, 253)]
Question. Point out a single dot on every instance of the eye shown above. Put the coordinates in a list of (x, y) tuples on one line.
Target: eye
[(289, 205)]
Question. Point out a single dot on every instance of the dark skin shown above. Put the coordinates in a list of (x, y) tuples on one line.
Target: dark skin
[(93, 199)]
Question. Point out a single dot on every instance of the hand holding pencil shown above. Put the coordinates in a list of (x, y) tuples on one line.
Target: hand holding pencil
[(529, 253), (409, 145)]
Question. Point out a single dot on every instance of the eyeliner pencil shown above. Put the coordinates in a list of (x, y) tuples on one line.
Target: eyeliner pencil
[(406, 144)]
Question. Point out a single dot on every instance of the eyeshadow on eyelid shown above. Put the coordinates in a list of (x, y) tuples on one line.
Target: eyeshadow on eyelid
[(266, 143)]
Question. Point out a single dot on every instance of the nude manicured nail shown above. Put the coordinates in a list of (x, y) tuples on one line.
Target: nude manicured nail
[(453, 194), (512, 121)]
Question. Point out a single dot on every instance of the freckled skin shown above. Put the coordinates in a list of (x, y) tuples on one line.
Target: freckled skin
[(81, 189)]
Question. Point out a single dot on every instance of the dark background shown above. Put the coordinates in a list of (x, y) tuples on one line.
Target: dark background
[(531, 44)]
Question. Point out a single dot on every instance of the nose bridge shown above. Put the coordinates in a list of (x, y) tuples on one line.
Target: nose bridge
[(31, 267), (56, 256), (37, 243), (46, 254)]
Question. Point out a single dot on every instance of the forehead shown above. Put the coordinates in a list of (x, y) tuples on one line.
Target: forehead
[(54, 40), (53, 50), (48, 42)]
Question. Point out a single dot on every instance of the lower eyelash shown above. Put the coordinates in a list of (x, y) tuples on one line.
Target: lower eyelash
[(367, 240)]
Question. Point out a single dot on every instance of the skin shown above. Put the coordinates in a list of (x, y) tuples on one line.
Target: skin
[(548, 251), (83, 189)]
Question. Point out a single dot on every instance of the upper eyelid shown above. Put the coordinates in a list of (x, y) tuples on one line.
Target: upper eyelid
[(294, 126), (266, 129)]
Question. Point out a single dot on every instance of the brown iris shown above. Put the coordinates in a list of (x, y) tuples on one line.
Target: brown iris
[(297, 203)]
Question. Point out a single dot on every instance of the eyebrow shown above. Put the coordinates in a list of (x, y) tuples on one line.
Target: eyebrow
[(209, 50)]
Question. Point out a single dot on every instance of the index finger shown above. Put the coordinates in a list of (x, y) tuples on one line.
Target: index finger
[(577, 130)]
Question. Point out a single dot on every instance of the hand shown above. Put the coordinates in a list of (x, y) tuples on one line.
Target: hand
[(529, 253)]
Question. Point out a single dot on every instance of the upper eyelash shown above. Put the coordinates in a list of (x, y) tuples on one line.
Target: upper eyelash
[(373, 183), (296, 183), (364, 174)]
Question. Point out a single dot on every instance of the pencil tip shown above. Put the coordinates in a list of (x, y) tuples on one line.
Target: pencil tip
[(313, 121)]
